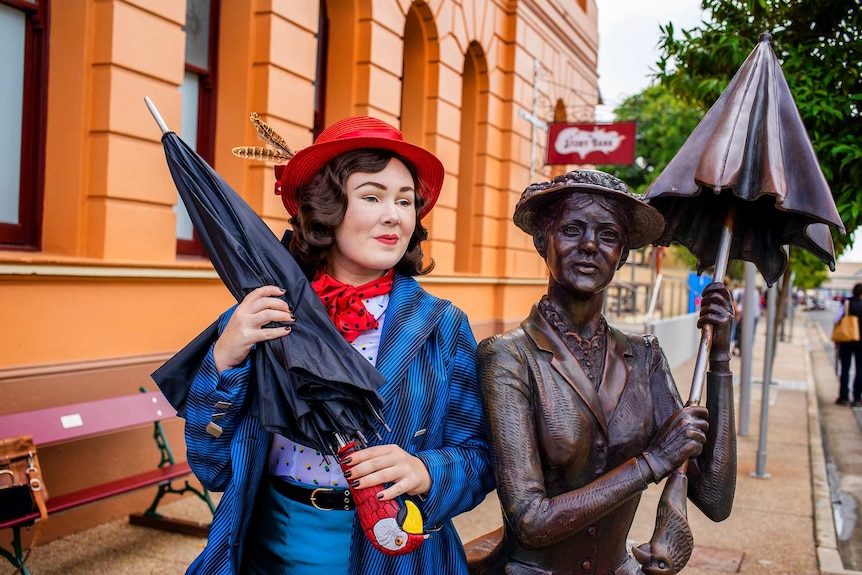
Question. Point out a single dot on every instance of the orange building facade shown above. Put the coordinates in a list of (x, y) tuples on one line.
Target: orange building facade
[(104, 289)]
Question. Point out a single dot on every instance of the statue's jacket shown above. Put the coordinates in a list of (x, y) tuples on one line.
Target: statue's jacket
[(564, 449)]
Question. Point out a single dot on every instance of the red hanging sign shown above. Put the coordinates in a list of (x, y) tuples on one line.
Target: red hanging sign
[(592, 143)]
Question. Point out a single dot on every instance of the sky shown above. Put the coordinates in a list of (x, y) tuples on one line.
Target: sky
[(628, 50), (628, 44), (853, 254)]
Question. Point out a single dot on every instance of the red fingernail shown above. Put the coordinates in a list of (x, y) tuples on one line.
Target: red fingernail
[(354, 483), (380, 495), (346, 460)]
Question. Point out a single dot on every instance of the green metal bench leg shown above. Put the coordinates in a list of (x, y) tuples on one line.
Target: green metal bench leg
[(16, 558), (204, 495), (151, 517), (167, 458)]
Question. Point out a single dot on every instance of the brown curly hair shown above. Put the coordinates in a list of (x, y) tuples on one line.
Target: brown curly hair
[(323, 203)]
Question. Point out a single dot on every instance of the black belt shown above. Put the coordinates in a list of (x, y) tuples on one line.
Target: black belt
[(323, 498)]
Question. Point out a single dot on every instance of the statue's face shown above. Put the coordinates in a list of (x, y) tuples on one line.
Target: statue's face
[(583, 246)]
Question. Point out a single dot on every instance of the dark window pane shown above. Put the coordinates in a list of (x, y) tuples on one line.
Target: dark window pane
[(197, 30), (23, 77), (12, 32)]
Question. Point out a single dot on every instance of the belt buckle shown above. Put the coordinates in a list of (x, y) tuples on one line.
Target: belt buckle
[(314, 503)]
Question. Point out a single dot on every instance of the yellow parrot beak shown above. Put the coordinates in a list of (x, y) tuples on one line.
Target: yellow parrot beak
[(413, 520)]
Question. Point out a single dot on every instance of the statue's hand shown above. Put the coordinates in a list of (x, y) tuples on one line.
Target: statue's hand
[(680, 438), (716, 308)]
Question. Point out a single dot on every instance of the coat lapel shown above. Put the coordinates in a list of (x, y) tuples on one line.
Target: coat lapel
[(617, 367), (546, 338), (411, 316)]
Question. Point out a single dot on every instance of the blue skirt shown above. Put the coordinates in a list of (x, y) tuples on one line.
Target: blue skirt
[(286, 537)]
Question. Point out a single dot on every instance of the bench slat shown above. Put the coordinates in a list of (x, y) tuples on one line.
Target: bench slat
[(76, 421), (105, 490), (171, 524)]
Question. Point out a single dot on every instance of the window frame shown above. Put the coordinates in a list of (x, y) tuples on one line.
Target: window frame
[(207, 98), (321, 71), (27, 233)]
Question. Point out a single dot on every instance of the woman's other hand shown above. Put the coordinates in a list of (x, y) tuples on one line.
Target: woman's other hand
[(680, 438), (245, 327), (388, 464), (717, 310)]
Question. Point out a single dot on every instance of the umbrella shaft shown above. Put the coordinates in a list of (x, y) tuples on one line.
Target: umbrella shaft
[(341, 441), (703, 349), (158, 117), (700, 366)]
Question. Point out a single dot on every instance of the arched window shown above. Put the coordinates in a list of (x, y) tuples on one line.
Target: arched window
[(336, 80), (414, 81), (469, 225)]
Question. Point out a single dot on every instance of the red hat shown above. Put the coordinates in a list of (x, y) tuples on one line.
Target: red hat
[(351, 134)]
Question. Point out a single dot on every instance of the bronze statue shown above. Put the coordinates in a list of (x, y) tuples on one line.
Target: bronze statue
[(583, 416)]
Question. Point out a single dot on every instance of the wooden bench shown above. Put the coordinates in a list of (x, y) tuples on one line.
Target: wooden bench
[(482, 553), (55, 425)]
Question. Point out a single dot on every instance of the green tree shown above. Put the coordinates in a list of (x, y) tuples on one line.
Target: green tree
[(664, 121), (810, 271), (819, 47)]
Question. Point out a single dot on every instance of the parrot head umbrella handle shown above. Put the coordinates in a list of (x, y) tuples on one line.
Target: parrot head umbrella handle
[(394, 527)]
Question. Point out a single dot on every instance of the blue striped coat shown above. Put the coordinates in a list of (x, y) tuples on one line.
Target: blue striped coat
[(427, 356)]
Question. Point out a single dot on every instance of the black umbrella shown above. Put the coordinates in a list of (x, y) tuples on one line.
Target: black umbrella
[(745, 183), (310, 384)]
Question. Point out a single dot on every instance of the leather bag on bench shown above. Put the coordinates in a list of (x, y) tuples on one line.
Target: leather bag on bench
[(22, 491)]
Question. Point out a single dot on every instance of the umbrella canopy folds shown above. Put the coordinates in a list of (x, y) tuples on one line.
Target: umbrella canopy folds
[(750, 153), (310, 384)]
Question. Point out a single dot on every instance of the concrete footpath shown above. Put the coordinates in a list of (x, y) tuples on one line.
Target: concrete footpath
[(782, 523)]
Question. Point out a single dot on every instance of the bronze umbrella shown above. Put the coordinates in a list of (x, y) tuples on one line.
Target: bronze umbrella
[(750, 152), (745, 183)]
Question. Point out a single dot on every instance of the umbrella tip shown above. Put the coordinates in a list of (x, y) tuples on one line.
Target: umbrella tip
[(158, 117), (765, 37)]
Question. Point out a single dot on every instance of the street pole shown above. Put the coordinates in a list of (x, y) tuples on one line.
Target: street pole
[(749, 302), (760, 470), (791, 302)]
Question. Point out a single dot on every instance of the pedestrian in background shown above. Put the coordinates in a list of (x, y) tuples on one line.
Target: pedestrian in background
[(850, 351), (738, 296)]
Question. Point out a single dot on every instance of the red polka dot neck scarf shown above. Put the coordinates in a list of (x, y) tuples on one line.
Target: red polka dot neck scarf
[(344, 302)]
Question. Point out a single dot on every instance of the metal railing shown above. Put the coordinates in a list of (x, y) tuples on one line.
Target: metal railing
[(630, 302)]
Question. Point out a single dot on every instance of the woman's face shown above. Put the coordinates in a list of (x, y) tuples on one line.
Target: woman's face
[(377, 226), (583, 245)]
